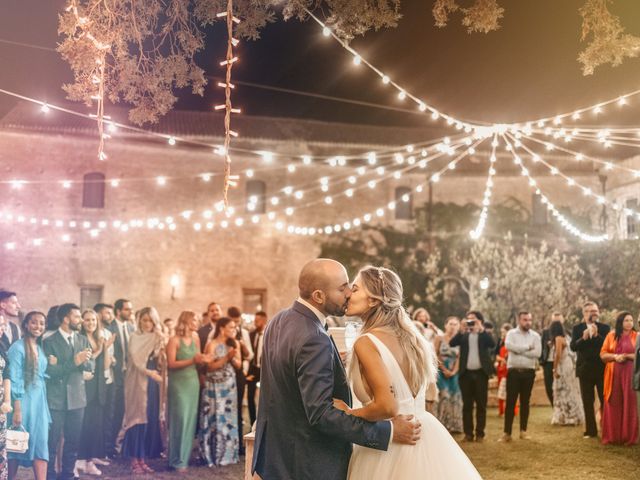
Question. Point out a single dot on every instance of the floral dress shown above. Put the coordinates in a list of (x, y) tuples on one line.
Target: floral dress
[(218, 434), (567, 405), (450, 403)]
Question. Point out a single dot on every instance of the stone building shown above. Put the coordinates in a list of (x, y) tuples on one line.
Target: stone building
[(73, 228)]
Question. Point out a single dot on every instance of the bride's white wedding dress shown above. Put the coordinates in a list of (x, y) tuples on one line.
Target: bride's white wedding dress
[(436, 456)]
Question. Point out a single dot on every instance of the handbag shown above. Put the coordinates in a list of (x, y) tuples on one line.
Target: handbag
[(17, 440)]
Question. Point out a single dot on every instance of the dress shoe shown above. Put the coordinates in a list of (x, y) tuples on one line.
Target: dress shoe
[(505, 438)]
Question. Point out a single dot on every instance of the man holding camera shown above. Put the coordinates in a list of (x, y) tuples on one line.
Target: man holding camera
[(587, 339), (476, 367)]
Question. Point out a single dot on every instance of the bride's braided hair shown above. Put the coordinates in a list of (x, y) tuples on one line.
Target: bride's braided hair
[(385, 286)]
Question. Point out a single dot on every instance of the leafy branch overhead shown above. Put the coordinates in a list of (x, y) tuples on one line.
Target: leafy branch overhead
[(148, 47), (607, 41)]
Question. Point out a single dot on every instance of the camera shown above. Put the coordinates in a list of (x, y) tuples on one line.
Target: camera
[(470, 323)]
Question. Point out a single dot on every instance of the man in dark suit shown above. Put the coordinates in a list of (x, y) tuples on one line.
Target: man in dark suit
[(300, 435), (253, 374), (69, 356), (587, 339), (476, 367), (214, 312), (122, 328), (106, 319), (546, 357)]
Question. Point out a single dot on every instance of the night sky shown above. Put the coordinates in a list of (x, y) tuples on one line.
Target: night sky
[(526, 69)]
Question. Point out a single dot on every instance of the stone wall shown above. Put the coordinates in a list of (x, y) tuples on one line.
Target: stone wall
[(209, 265)]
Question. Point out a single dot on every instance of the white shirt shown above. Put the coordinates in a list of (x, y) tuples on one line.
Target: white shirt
[(66, 336), (321, 316), (524, 348)]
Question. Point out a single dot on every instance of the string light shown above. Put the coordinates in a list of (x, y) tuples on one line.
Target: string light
[(476, 233), (561, 219)]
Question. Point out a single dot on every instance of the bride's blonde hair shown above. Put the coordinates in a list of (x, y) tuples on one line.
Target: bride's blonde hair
[(385, 286)]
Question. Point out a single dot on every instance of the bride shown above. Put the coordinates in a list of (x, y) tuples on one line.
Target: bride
[(391, 367)]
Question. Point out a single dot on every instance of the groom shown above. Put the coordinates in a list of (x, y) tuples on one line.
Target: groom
[(299, 433)]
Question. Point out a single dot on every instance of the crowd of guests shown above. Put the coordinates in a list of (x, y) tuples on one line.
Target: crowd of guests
[(591, 361), (89, 386), (92, 385)]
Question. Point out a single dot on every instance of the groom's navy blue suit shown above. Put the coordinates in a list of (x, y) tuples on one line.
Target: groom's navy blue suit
[(300, 435)]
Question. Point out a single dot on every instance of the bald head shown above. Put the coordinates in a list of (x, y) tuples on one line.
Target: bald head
[(325, 283)]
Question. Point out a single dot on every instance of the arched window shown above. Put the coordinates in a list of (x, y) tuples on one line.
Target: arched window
[(404, 203), (256, 191), (93, 190)]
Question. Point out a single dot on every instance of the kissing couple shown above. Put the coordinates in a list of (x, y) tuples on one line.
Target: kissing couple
[(306, 428)]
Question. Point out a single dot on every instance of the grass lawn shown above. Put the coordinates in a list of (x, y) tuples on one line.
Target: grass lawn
[(554, 452)]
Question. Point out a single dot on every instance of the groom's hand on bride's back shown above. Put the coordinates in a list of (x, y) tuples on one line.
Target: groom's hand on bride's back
[(406, 429)]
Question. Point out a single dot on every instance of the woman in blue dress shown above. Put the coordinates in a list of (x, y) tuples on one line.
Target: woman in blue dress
[(27, 366), (219, 437)]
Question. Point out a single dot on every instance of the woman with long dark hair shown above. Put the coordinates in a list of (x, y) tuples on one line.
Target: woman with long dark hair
[(219, 438), (620, 414), (567, 406), (27, 366)]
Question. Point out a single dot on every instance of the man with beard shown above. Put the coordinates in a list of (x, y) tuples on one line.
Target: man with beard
[(70, 363), (587, 339), (524, 347), (299, 432), (10, 310), (214, 312), (122, 328)]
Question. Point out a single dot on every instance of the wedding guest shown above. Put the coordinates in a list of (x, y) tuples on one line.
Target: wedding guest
[(450, 397), (169, 327), (524, 348), (587, 339), (10, 310), (52, 322), (567, 407), (476, 367), (27, 367), (5, 404), (144, 377), (620, 414), (548, 354), (246, 355), (501, 369), (183, 353), (214, 312), (92, 446), (421, 315), (123, 330), (253, 375), (219, 438), (70, 362), (636, 373), (106, 322)]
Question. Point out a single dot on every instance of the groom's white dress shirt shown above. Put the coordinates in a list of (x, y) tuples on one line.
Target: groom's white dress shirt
[(321, 316)]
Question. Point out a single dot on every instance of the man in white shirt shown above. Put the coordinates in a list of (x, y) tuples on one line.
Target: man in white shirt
[(524, 347), (10, 310)]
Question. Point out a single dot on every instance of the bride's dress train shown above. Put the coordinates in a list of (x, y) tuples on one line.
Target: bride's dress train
[(437, 456)]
